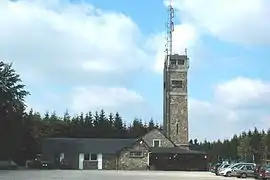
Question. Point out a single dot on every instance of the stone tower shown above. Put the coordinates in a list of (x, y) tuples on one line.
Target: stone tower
[(175, 120)]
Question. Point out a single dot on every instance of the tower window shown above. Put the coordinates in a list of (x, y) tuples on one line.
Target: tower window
[(177, 128), (177, 84), (156, 143), (181, 62), (173, 61)]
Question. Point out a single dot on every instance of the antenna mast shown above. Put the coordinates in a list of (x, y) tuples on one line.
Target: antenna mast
[(170, 29)]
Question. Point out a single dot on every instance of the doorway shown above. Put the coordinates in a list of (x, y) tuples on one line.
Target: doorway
[(99, 159), (81, 159)]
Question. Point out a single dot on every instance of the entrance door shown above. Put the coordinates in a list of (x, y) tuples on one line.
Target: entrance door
[(99, 158), (62, 156), (81, 159)]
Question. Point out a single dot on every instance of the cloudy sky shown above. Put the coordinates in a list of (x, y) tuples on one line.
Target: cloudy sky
[(92, 54)]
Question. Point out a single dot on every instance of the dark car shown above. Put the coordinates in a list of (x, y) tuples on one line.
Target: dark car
[(8, 165), (216, 168), (264, 172), (38, 163), (257, 171)]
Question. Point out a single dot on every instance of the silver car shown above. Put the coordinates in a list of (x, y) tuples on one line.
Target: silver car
[(244, 171)]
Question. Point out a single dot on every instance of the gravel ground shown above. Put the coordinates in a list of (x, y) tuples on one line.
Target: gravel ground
[(105, 175)]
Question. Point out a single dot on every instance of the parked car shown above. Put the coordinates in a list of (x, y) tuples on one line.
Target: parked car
[(8, 165), (228, 170), (223, 166), (257, 171), (264, 172), (216, 168), (38, 163), (244, 171), (213, 168)]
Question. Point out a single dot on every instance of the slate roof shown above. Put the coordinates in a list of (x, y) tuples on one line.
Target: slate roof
[(86, 145), (175, 150)]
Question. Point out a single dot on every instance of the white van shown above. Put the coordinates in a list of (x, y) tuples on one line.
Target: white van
[(227, 171)]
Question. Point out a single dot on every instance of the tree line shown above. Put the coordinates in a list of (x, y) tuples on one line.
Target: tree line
[(21, 132), (251, 146)]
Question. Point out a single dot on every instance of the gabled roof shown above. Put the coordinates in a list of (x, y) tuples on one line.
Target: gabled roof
[(175, 150), (160, 133), (86, 145)]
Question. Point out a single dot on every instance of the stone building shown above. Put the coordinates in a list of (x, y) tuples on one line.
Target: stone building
[(167, 150), (113, 154), (175, 113), (93, 153)]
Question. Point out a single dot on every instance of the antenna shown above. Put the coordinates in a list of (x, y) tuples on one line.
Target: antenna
[(170, 27)]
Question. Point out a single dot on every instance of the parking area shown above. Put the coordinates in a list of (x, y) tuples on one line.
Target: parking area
[(105, 175)]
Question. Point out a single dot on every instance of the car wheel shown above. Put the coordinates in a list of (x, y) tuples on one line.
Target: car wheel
[(228, 174), (244, 175)]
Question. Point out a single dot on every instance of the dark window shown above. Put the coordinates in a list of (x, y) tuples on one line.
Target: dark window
[(93, 157), (243, 168), (177, 84), (136, 154), (177, 128), (156, 143), (86, 157), (181, 62), (173, 61)]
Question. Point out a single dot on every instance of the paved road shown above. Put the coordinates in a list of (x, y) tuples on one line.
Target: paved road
[(105, 175)]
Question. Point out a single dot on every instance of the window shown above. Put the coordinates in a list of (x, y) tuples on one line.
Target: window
[(86, 157), (173, 61), (156, 143), (243, 167), (177, 128), (181, 62), (136, 154), (177, 84), (93, 157), (250, 168)]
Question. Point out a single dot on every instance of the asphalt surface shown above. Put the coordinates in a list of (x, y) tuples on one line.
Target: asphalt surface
[(105, 175)]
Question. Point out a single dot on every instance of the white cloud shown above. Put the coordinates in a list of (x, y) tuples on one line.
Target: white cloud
[(244, 93), (239, 104), (57, 46), (63, 41), (240, 21), (85, 98)]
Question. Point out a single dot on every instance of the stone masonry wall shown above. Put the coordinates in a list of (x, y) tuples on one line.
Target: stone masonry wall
[(125, 162), (175, 75), (178, 111), (179, 116), (109, 162), (156, 134)]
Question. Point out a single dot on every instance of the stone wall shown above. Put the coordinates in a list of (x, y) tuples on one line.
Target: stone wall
[(177, 119), (175, 75), (109, 162), (156, 134), (125, 162)]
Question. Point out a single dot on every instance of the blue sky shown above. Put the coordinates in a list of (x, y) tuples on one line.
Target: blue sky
[(87, 55)]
